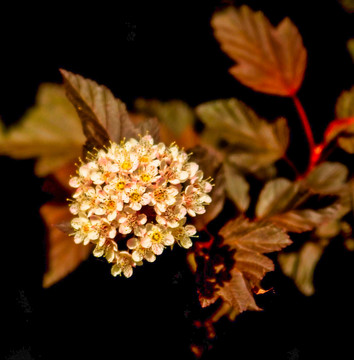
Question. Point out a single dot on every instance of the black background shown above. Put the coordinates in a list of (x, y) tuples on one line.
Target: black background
[(159, 50)]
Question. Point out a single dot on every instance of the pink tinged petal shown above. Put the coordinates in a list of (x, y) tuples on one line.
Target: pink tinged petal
[(122, 219), (142, 219), (93, 235), (95, 220), (189, 190), (119, 205), (113, 168), (157, 249), (191, 212), (76, 223), (139, 231), (125, 229), (99, 211), (74, 208), (128, 271), (207, 187), (112, 233), (168, 240), (205, 198), (137, 256), (86, 240), (145, 242), (78, 238), (112, 216), (160, 207), (132, 243), (150, 256), (172, 223), (190, 230), (172, 191), (170, 201), (160, 220), (85, 205), (200, 209), (74, 182), (174, 181), (84, 171), (193, 168), (183, 176), (145, 199)]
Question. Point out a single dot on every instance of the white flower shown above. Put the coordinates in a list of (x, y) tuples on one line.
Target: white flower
[(139, 193), (156, 237), (182, 234), (130, 219)]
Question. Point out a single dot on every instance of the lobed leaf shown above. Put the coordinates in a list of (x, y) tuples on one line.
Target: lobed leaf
[(300, 266), (253, 142), (269, 59), (63, 255), (237, 187), (276, 196), (260, 237), (103, 116), (175, 114), (327, 177), (237, 293), (49, 131)]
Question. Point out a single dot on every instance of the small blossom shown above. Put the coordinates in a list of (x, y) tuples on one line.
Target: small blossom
[(138, 193)]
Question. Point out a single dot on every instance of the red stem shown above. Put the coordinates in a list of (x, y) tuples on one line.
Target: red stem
[(305, 122), (314, 151)]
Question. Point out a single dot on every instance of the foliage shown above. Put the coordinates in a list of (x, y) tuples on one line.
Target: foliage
[(256, 207)]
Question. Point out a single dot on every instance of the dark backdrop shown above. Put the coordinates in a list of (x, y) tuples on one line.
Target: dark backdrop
[(160, 51)]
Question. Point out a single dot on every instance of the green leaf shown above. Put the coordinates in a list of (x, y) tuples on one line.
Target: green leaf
[(327, 177), (49, 131), (300, 266), (103, 116), (253, 142), (276, 196), (237, 187), (175, 114), (269, 59)]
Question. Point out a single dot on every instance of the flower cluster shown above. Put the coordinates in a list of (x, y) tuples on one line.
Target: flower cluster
[(132, 200)]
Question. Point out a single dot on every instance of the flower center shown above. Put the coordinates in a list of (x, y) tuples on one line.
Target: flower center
[(156, 236), (145, 177), (111, 205), (126, 165), (135, 196), (159, 194), (144, 159), (120, 185)]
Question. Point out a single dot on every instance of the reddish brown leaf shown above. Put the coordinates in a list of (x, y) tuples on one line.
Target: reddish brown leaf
[(269, 59), (63, 255), (237, 293), (261, 237), (103, 116)]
